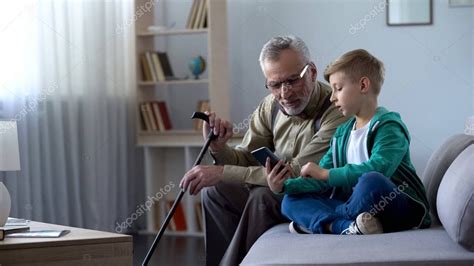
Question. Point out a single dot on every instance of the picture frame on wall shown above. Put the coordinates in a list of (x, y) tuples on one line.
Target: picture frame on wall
[(409, 12)]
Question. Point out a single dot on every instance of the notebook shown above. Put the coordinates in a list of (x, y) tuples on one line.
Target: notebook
[(39, 234), (7, 230)]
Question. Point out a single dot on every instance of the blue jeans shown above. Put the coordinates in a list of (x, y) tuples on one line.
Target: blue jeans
[(374, 193)]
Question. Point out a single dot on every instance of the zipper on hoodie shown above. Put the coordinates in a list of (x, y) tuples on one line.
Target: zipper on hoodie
[(334, 162)]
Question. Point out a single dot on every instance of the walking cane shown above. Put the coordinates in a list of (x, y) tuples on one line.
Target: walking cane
[(210, 137)]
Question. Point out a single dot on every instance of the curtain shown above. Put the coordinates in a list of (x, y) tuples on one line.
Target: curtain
[(67, 77)]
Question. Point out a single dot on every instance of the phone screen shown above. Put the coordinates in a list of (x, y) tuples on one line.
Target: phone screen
[(261, 155)]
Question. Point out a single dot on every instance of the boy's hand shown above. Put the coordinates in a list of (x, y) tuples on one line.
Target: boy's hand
[(276, 179), (313, 170)]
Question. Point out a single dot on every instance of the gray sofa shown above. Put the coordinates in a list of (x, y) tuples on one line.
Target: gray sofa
[(450, 240)]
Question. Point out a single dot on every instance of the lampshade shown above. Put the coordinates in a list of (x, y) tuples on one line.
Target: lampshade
[(9, 151)]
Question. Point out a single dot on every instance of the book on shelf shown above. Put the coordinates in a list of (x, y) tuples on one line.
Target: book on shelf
[(151, 66), (203, 15), (165, 115), (152, 116), (145, 68), (166, 66), (202, 106), (178, 221), (199, 218), (158, 116), (156, 66), (157, 207), (160, 75), (155, 116), (197, 16), (9, 230), (145, 117), (205, 19), (192, 14)]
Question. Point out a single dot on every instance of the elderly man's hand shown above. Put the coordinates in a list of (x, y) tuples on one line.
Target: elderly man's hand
[(313, 170), (201, 176), (275, 178), (222, 129)]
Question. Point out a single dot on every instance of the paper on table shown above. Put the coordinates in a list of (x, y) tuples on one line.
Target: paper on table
[(40, 234), (16, 222)]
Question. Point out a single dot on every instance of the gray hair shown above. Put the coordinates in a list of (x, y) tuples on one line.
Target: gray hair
[(272, 49)]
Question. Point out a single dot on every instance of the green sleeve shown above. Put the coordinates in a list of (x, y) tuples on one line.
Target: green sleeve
[(301, 184), (390, 146)]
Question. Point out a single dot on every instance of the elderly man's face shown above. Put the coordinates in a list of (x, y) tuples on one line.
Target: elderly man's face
[(289, 80)]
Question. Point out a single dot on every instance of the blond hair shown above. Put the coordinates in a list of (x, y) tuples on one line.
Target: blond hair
[(357, 64)]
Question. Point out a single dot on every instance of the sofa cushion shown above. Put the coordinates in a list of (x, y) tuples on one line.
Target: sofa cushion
[(456, 199), (430, 246), (439, 162)]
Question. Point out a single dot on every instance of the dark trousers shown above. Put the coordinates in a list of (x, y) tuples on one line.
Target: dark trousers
[(374, 193), (235, 216)]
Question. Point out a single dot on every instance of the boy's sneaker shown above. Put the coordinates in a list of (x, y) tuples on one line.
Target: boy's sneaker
[(365, 224), (296, 229)]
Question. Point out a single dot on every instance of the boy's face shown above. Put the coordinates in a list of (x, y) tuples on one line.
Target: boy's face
[(346, 94), (287, 69)]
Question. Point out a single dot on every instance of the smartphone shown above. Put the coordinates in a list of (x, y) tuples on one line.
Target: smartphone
[(261, 155)]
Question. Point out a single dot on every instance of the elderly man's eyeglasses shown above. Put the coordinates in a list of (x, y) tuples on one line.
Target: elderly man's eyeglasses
[(289, 83)]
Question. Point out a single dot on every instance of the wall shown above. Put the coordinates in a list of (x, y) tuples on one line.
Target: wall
[(429, 69)]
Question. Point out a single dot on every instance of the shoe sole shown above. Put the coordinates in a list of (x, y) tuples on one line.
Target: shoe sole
[(368, 225)]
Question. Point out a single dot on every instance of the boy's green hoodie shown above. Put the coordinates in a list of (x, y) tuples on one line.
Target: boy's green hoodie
[(388, 144)]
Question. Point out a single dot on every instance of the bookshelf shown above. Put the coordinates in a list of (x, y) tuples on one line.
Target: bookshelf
[(169, 154)]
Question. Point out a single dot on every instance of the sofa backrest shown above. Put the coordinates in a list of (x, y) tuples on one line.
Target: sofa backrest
[(437, 165), (455, 200)]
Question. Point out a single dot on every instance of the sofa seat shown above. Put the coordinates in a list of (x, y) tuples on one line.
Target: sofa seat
[(431, 246)]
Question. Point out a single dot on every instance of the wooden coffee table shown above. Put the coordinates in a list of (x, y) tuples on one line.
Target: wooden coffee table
[(79, 247)]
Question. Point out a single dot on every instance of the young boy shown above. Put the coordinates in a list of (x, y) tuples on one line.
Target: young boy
[(365, 183)]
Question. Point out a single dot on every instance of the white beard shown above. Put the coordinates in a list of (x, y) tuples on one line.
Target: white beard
[(299, 109)]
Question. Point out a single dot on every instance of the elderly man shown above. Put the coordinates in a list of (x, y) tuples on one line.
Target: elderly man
[(296, 120)]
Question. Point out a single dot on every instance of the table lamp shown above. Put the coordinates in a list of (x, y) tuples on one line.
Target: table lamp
[(9, 161)]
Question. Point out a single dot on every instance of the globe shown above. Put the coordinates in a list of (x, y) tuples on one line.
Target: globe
[(197, 66)]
